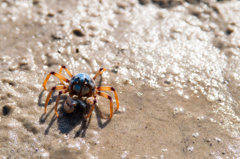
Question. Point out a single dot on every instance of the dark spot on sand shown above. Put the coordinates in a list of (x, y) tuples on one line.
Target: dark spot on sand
[(167, 82), (79, 32), (229, 31), (6, 110), (143, 2), (50, 14)]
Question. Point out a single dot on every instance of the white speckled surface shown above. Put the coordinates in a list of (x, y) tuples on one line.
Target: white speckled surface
[(176, 70)]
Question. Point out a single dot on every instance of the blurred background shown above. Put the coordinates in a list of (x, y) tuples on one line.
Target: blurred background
[(174, 64)]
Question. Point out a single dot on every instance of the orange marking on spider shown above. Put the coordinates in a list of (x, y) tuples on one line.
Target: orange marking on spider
[(101, 70), (93, 106), (108, 88), (80, 85), (61, 77), (50, 93), (65, 68), (105, 95)]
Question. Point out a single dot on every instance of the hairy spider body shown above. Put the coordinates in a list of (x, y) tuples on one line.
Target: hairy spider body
[(81, 85)]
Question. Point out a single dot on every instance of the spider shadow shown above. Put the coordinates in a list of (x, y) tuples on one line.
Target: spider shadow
[(99, 117), (44, 116), (52, 99), (100, 80), (83, 129), (50, 124), (40, 99), (98, 112), (66, 122)]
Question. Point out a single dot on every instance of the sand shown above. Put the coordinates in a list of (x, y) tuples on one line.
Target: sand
[(175, 66)]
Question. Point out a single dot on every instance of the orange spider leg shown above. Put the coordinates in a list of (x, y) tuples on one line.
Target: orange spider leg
[(93, 106), (55, 74), (50, 93), (57, 100), (107, 88), (101, 70), (105, 95), (60, 72)]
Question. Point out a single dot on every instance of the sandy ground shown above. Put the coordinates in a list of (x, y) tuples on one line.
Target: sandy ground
[(175, 66)]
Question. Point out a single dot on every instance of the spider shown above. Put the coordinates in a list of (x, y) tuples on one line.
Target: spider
[(81, 85)]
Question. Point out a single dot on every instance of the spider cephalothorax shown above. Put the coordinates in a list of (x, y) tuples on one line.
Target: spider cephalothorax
[(82, 85)]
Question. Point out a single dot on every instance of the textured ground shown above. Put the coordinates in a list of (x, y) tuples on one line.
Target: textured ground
[(175, 66)]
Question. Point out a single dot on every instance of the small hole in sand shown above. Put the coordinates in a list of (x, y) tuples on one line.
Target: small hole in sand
[(77, 50), (11, 83), (78, 32), (35, 2), (50, 14), (229, 31), (6, 109), (167, 82)]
